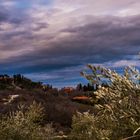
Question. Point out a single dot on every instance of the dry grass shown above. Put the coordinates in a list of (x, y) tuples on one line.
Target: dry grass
[(118, 114)]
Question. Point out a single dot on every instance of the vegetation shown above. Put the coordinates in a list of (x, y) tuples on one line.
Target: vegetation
[(118, 106), (17, 81), (25, 124), (106, 109)]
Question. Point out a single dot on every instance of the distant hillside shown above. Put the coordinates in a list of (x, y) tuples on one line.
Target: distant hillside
[(17, 82)]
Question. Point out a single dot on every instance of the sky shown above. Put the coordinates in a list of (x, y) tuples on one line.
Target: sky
[(53, 40)]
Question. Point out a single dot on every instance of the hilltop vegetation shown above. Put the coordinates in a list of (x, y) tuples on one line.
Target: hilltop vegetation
[(112, 111), (17, 81)]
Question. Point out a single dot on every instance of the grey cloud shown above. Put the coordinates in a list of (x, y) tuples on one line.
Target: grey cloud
[(99, 42), (12, 14), (53, 40), (3, 14), (107, 39)]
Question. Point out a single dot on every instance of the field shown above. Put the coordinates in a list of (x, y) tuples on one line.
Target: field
[(31, 111)]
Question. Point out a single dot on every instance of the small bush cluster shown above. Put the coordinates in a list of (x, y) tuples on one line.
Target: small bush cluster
[(118, 107), (25, 124)]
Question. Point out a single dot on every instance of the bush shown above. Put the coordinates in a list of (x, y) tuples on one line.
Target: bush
[(84, 127), (24, 124), (118, 106)]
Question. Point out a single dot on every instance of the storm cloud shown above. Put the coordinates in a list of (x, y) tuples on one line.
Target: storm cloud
[(55, 39)]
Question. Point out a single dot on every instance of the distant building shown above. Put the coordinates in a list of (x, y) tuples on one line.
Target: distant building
[(68, 90)]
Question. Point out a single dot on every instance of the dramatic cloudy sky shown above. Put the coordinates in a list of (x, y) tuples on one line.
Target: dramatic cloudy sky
[(53, 40)]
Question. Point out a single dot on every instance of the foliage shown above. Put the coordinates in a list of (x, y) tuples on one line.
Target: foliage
[(17, 81), (118, 114), (24, 82), (84, 127), (24, 124)]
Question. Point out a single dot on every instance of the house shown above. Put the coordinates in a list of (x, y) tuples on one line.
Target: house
[(67, 90)]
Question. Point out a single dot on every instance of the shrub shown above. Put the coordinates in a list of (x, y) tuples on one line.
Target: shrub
[(84, 127), (24, 124), (118, 106)]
